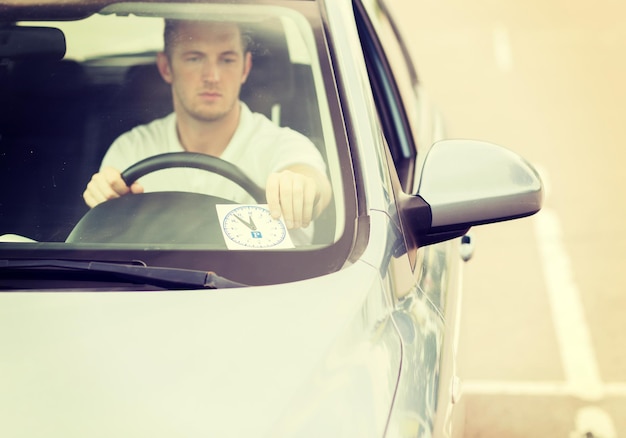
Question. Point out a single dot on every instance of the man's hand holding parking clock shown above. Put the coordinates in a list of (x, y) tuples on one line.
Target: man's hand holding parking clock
[(298, 194)]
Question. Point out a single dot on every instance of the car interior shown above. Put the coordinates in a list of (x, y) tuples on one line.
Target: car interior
[(58, 117)]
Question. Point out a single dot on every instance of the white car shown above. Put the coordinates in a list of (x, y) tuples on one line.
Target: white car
[(180, 314)]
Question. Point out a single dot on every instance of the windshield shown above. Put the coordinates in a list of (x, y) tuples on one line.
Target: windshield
[(201, 136)]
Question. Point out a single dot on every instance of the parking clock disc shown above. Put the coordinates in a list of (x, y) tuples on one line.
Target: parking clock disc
[(252, 226)]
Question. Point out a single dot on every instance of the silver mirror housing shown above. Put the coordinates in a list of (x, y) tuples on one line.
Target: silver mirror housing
[(466, 183)]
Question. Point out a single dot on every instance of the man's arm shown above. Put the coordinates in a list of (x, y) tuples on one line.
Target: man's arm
[(107, 184), (299, 193)]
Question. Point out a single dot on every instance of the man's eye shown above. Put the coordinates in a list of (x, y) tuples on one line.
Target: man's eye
[(229, 60)]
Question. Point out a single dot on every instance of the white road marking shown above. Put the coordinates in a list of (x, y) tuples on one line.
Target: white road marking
[(502, 49), (572, 332), (582, 376), (536, 388), (574, 340), (593, 420)]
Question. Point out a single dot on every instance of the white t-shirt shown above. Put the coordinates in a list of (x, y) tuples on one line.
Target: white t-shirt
[(258, 148)]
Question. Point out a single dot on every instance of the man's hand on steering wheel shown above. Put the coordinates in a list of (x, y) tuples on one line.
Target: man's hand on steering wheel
[(299, 193), (108, 184)]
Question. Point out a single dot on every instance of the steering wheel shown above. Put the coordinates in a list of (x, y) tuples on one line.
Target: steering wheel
[(196, 161), (163, 217)]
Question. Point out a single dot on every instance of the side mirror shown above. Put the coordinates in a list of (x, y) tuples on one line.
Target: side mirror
[(466, 183)]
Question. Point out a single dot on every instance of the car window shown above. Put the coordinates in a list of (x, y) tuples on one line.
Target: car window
[(59, 117), (394, 80), (397, 55)]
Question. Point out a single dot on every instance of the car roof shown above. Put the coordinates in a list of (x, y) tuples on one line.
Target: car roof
[(15, 10)]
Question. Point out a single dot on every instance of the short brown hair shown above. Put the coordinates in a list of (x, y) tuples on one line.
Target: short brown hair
[(170, 33)]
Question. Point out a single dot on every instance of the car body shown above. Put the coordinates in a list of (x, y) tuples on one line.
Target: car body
[(129, 320)]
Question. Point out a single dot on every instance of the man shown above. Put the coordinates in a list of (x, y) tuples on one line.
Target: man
[(206, 64)]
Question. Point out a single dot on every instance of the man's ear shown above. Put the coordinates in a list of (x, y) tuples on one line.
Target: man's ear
[(247, 66), (163, 64)]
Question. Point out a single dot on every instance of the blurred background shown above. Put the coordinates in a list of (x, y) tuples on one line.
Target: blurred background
[(543, 341)]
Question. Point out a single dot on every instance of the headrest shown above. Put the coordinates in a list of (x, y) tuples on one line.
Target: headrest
[(144, 80), (271, 79), (146, 92)]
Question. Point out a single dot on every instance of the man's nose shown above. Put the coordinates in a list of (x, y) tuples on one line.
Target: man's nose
[(210, 71)]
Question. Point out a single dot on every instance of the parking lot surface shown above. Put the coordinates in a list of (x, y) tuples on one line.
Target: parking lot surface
[(542, 341)]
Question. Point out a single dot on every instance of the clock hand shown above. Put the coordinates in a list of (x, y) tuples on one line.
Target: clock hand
[(247, 224), (252, 225)]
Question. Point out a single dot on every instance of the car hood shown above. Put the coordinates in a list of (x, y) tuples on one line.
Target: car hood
[(186, 363)]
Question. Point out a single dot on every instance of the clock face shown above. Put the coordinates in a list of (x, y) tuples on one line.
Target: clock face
[(252, 226)]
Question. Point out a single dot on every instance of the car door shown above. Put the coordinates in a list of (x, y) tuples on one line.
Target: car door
[(425, 280)]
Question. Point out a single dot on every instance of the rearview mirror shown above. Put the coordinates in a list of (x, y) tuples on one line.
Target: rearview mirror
[(466, 183)]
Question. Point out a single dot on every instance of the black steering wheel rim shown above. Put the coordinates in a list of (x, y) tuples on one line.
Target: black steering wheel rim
[(196, 161)]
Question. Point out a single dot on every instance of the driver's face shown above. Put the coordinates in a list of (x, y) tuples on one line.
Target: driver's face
[(206, 67)]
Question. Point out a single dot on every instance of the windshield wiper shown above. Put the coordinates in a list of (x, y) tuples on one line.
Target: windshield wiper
[(137, 272)]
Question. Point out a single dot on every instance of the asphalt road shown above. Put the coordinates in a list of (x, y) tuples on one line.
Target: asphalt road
[(543, 341)]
